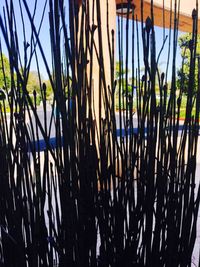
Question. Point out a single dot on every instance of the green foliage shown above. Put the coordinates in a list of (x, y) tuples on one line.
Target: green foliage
[(184, 73), (33, 83), (119, 72), (4, 68), (2, 95), (49, 90), (38, 99)]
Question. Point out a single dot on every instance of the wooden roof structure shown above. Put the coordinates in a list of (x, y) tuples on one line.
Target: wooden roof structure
[(162, 12)]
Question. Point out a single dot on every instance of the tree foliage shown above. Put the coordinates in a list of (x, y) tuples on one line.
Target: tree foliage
[(33, 83), (120, 73), (4, 72), (184, 72), (119, 70), (49, 89)]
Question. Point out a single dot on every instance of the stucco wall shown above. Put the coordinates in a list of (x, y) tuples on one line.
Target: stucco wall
[(111, 21)]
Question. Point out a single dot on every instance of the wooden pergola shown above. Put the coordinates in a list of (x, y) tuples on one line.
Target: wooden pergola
[(162, 12)]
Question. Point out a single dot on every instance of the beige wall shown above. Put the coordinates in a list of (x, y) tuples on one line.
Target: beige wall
[(98, 89), (98, 94)]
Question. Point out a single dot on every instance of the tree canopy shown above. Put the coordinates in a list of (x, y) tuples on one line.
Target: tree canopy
[(4, 70), (33, 82), (184, 72)]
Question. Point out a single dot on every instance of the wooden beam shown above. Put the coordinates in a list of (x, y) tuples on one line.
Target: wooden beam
[(162, 17)]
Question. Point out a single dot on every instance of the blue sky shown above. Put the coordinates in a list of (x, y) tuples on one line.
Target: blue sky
[(45, 37), (159, 43), (44, 33)]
